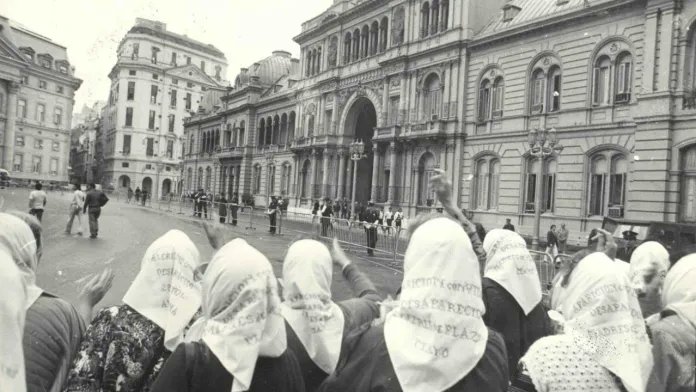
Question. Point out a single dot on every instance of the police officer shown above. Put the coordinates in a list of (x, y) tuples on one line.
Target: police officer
[(234, 206), (370, 219), (272, 210)]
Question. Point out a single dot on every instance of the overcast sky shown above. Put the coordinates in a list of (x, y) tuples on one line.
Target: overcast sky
[(244, 30)]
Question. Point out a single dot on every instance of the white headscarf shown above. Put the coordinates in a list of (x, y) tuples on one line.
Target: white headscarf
[(509, 263), (13, 293), (241, 318), (650, 258), (436, 335), (603, 318), (308, 309), (679, 290), (164, 290), (19, 242)]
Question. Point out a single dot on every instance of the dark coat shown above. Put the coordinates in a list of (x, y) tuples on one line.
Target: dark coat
[(505, 315)]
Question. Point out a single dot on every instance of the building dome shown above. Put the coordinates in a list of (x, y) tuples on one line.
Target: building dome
[(268, 70)]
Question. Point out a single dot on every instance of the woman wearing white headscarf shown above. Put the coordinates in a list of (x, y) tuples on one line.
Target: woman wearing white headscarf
[(674, 332), (125, 345), (435, 339), (649, 265), (13, 296), (53, 328), (316, 326), (604, 346), (512, 294), (239, 343)]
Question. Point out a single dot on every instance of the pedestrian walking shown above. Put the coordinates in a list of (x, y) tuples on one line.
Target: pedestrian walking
[(272, 211), (389, 220), (145, 195), (76, 206), (326, 215), (370, 219), (37, 201), (137, 195), (552, 242), (508, 226), (222, 207), (130, 194), (201, 200), (398, 219), (562, 239), (234, 206), (94, 201)]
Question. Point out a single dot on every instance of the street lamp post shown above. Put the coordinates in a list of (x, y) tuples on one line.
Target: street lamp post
[(357, 152), (543, 143)]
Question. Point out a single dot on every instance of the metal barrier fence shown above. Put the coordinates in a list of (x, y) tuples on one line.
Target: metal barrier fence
[(389, 242)]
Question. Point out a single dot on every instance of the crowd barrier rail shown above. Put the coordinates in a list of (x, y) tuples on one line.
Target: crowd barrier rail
[(389, 241)]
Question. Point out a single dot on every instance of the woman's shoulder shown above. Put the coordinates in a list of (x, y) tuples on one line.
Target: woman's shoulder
[(674, 329), (50, 309)]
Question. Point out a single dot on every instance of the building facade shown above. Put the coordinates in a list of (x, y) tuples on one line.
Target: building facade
[(37, 89), (459, 86), (159, 79), (83, 138)]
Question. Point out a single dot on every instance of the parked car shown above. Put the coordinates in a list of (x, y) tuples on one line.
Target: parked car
[(675, 237), (4, 178)]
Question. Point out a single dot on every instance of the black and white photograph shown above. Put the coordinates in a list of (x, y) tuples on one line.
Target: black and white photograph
[(348, 196)]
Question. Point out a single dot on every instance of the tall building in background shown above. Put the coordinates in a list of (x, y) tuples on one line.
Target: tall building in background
[(83, 167), (159, 79), (37, 89)]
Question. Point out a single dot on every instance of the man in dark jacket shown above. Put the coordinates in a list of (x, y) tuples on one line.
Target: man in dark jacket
[(95, 200), (234, 206), (326, 214), (370, 218), (222, 207), (272, 211), (508, 226)]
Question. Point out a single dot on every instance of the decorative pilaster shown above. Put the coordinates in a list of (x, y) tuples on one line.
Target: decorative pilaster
[(313, 173), (392, 172), (342, 160), (375, 169), (325, 175), (10, 126)]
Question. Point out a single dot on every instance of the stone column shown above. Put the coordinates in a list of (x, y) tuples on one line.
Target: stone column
[(10, 126), (385, 102), (313, 174), (375, 174), (407, 174), (337, 174), (349, 180), (402, 98), (325, 175), (334, 115), (342, 157), (392, 172)]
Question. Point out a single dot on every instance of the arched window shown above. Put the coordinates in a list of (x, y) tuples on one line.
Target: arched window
[(199, 180), (270, 180), (256, 180), (192, 143), (426, 166), (347, 43), (356, 44), (319, 57), (484, 105), (688, 184), (431, 97), (690, 63), (208, 178), (333, 51), (269, 131), (374, 38), (189, 178), (491, 96), (498, 93), (600, 81), (485, 190), (398, 26), (217, 138), (554, 97), (548, 183), (435, 17), (276, 130), (383, 29), (445, 15), (607, 184), (285, 179), (425, 20), (284, 129), (310, 125), (309, 63), (365, 45), (262, 131), (624, 78), (538, 90), (242, 140)]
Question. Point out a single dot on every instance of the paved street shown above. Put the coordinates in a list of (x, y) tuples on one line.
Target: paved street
[(127, 230)]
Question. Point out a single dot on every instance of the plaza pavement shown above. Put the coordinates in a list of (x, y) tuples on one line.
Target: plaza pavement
[(125, 233)]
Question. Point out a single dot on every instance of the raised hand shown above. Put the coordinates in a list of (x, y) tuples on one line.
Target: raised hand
[(92, 292), (338, 255), (442, 187), (217, 235), (606, 243)]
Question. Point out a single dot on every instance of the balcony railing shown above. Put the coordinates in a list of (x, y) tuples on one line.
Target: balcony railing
[(426, 129)]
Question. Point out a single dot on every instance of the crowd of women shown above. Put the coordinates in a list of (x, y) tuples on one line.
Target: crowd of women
[(469, 316)]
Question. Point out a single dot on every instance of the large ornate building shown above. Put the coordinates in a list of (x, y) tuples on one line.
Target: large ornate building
[(37, 89), (159, 79), (458, 85)]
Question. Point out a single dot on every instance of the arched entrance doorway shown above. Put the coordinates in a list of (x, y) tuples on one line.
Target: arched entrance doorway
[(124, 182), (360, 122), (147, 185), (166, 187)]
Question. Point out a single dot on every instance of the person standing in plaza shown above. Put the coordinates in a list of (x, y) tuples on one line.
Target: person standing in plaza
[(130, 194), (562, 239), (508, 226), (370, 218), (222, 207), (37, 201), (398, 219), (202, 202), (137, 195), (234, 206), (552, 242), (272, 214), (94, 200), (326, 214), (76, 205)]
